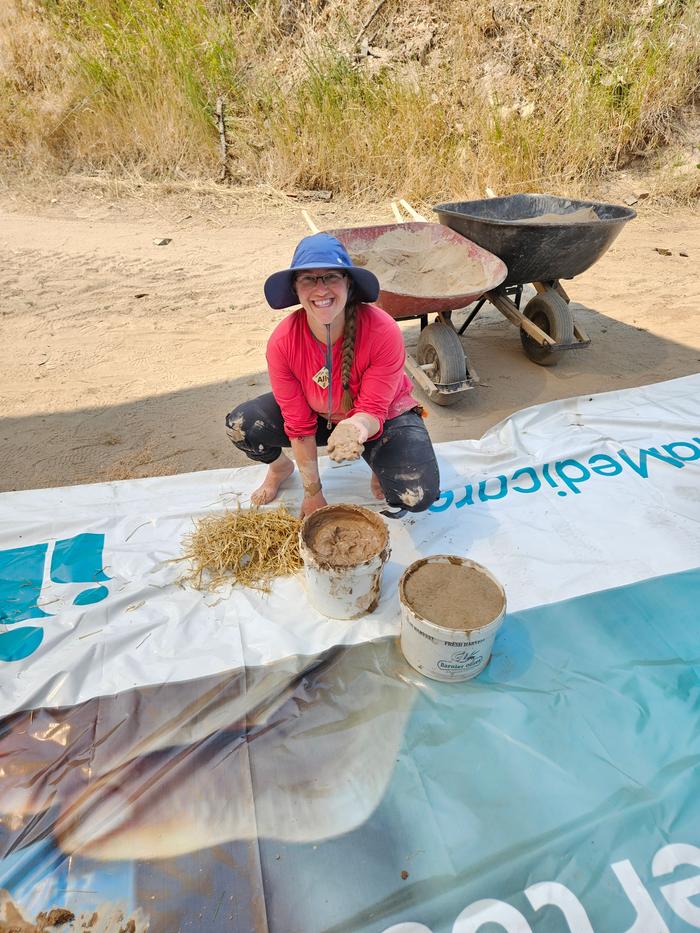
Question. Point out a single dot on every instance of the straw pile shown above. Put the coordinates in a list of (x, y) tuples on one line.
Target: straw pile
[(249, 547)]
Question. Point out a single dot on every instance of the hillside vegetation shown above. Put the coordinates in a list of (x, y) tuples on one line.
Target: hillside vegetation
[(427, 98)]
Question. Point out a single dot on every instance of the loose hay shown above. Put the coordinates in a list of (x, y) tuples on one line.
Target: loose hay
[(249, 547)]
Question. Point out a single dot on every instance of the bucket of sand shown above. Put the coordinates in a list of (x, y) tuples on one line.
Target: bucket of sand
[(344, 549), (451, 609)]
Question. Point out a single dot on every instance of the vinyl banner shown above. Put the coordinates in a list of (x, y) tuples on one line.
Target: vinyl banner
[(232, 760)]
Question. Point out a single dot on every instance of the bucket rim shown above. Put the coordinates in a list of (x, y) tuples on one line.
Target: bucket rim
[(448, 633), (372, 517)]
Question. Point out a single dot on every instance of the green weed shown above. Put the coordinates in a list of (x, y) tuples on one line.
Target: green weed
[(547, 97)]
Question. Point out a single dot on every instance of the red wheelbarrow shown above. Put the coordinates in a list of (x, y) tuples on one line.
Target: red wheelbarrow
[(427, 254)]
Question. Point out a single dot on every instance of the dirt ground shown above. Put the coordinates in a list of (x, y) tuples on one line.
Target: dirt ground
[(122, 357)]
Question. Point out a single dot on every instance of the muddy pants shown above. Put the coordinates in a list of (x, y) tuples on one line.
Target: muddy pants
[(402, 457)]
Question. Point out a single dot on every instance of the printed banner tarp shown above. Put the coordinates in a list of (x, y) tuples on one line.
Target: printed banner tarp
[(236, 761)]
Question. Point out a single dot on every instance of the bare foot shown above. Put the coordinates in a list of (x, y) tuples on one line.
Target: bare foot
[(277, 473), (376, 487)]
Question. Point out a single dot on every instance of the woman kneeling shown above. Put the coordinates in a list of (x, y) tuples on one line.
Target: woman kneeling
[(337, 377)]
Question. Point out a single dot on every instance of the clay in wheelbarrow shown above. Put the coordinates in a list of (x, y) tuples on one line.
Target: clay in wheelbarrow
[(422, 267)]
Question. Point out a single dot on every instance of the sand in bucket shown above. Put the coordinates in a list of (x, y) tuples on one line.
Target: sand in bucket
[(451, 609), (344, 549)]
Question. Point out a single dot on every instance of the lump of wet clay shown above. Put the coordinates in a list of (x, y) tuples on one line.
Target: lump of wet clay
[(344, 540), (344, 443)]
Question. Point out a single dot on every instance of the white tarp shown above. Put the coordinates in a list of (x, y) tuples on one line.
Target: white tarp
[(235, 761), (559, 500)]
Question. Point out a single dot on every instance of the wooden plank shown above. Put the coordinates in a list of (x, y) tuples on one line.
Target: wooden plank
[(417, 374), (410, 210), (419, 377), (560, 288), (581, 334), (309, 222), (543, 287), (508, 309)]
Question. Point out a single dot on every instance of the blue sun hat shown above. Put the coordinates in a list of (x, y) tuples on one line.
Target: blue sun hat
[(320, 251)]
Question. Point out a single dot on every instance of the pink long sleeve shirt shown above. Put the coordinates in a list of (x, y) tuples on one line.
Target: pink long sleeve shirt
[(378, 383)]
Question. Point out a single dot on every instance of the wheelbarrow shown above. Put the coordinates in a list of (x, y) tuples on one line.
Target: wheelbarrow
[(440, 367), (525, 231)]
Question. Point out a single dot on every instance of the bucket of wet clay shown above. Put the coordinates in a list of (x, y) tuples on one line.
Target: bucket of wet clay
[(344, 549), (451, 609)]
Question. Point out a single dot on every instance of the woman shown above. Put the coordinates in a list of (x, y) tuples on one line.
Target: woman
[(336, 371)]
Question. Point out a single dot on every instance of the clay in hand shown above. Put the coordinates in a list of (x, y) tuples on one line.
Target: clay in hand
[(344, 443)]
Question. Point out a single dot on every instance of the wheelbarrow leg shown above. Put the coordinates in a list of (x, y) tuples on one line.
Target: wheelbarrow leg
[(556, 285), (472, 315)]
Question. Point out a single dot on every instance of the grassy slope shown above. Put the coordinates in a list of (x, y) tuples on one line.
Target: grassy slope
[(452, 97)]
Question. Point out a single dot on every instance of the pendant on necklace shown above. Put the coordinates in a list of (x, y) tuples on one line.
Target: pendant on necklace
[(321, 378)]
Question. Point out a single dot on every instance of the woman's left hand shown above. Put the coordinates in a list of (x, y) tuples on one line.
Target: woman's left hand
[(311, 503), (346, 441)]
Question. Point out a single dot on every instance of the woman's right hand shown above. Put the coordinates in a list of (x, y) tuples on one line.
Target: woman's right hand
[(311, 503)]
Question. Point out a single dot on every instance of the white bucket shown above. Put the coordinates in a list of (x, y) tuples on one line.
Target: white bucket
[(448, 653), (344, 583)]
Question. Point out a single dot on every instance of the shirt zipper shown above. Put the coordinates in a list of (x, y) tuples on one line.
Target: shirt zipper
[(329, 367)]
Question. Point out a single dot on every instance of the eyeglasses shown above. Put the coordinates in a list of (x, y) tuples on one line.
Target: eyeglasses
[(306, 280)]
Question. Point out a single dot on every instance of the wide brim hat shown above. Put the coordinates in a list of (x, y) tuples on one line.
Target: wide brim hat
[(320, 251)]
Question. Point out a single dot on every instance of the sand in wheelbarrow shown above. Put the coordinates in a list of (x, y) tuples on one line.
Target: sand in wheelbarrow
[(582, 215), (415, 262)]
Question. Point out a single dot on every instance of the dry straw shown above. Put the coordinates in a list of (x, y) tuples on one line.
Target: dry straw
[(249, 547)]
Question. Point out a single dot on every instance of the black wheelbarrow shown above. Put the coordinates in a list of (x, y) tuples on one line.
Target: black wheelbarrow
[(541, 239)]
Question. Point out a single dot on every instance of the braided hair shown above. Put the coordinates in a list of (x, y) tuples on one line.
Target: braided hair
[(348, 351)]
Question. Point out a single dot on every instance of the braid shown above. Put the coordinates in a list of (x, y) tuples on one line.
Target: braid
[(348, 354)]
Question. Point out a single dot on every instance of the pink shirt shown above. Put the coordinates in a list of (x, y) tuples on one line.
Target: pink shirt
[(378, 383)]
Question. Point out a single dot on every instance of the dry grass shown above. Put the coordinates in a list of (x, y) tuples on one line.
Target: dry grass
[(452, 97), (249, 547)]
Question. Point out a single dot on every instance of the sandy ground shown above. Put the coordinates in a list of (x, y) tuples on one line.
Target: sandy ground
[(120, 358)]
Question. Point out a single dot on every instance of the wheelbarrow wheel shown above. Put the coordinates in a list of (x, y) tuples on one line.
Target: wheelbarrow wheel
[(440, 347), (552, 315)]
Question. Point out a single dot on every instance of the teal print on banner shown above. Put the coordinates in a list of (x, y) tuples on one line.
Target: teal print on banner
[(567, 476), (26, 581)]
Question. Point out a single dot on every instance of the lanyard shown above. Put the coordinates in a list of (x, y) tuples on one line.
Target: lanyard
[(329, 367)]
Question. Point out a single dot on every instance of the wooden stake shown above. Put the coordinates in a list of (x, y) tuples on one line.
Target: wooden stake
[(369, 22), (396, 212), (223, 145), (309, 222), (414, 214)]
